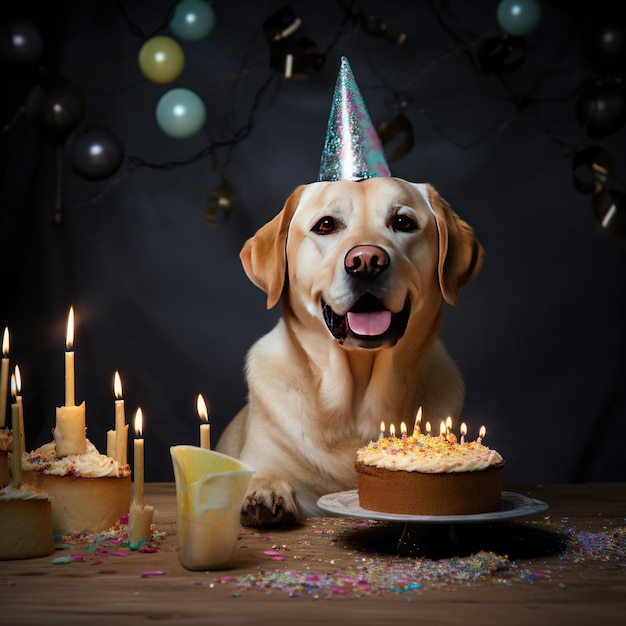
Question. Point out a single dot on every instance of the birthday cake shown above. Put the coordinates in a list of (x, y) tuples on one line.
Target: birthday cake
[(6, 446), (88, 491), (25, 523), (429, 475)]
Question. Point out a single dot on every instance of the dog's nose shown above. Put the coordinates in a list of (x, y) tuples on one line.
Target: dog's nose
[(366, 261)]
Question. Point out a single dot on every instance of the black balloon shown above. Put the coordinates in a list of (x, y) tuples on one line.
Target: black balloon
[(95, 153), (56, 108), (20, 42), (604, 46), (601, 109)]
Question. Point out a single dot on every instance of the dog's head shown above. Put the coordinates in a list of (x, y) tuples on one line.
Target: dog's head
[(363, 258)]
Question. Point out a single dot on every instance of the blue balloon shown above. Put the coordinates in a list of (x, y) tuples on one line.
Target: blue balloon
[(193, 20), (519, 17), (180, 113)]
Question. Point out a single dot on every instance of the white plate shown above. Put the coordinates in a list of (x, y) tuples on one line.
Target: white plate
[(512, 506)]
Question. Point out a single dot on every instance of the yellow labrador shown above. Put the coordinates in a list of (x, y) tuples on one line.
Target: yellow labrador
[(362, 271)]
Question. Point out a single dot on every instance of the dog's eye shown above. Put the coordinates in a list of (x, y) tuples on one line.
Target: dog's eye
[(325, 226), (403, 224)]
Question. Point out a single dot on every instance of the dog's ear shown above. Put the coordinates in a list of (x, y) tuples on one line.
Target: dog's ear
[(264, 255), (460, 253)]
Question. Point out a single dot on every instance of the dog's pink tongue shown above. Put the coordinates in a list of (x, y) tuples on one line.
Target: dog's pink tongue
[(369, 324)]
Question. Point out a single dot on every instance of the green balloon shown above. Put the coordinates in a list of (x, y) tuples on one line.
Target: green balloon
[(193, 20), (180, 113)]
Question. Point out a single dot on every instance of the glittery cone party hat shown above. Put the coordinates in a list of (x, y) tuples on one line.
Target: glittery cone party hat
[(352, 150)]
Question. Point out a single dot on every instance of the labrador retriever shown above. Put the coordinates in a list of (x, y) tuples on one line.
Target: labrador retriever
[(362, 271)]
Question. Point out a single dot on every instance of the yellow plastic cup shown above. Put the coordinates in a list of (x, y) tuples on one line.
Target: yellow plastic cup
[(210, 488)]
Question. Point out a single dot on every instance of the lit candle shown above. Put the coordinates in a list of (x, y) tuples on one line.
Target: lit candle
[(448, 424), (205, 429), (392, 431), (20, 407), (138, 459), (463, 432), (382, 430), (70, 431), (481, 433), (4, 378), (428, 429), (121, 427), (16, 467), (418, 421), (403, 431), (70, 396), (442, 428)]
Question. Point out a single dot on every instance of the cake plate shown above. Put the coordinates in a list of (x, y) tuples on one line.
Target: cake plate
[(512, 506)]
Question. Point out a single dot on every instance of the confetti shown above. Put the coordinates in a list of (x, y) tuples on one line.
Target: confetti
[(152, 572)]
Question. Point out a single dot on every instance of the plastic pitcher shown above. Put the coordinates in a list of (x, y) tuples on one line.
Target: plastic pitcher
[(210, 488)]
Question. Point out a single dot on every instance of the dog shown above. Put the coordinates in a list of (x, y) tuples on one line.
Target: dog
[(362, 271)]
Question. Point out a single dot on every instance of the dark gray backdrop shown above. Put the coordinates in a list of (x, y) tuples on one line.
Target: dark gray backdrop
[(159, 292)]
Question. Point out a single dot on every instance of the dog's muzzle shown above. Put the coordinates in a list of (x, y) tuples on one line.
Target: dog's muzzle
[(368, 324)]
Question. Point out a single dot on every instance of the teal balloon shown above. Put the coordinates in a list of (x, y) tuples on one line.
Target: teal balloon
[(519, 17), (180, 113), (193, 20)]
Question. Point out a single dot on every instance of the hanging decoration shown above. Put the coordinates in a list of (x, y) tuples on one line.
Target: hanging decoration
[(371, 24), (220, 201), (95, 152), (519, 17), (595, 173), (161, 59), (193, 20), (601, 107), (501, 54), (55, 107), (20, 42), (180, 113), (291, 54)]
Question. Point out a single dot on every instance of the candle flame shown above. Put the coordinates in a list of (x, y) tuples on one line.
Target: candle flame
[(5, 342), (428, 427), (464, 429), (117, 385), (18, 380), (13, 386), (418, 417), (448, 423), (382, 426), (442, 428), (139, 423), (482, 432), (69, 338), (202, 410), (392, 430), (403, 428)]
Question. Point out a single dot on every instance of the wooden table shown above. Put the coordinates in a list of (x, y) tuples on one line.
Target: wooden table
[(566, 566)]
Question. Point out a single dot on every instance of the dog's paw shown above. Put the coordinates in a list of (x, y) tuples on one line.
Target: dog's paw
[(269, 503)]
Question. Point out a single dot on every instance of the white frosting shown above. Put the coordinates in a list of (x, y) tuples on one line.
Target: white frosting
[(92, 464), (428, 455), (23, 492)]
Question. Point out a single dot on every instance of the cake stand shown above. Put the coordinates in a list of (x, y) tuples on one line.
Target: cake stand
[(512, 506)]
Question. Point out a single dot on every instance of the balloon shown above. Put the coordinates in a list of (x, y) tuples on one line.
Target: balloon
[(180, 113), (193, 20), (604, 46), (161, 59), (20, 42), (519, 17), (56, 108), (95, 152), (601, 109)]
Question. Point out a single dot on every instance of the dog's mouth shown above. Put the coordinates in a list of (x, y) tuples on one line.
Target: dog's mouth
[(368, 324)]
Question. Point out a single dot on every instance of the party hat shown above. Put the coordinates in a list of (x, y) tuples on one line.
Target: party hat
[(352, 150)]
